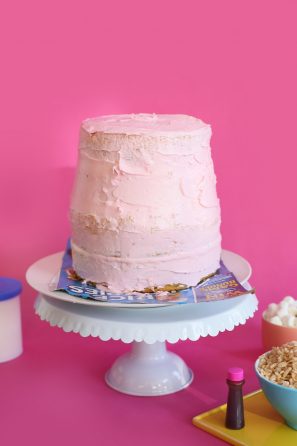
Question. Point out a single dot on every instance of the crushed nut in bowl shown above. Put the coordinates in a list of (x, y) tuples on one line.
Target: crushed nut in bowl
[(279, 365), (276, 371)]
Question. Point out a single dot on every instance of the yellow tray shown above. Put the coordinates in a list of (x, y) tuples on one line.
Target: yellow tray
[(263, 425)]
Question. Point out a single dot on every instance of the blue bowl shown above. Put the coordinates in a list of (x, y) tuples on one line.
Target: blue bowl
[(283, 399)]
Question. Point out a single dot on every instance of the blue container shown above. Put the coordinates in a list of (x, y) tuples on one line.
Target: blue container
[(9, 288), (283, 399)]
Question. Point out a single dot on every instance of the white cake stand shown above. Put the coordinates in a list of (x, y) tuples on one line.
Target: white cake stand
[(149, 369)]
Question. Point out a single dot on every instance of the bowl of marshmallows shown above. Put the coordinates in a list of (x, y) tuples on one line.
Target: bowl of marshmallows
[(279, 323)]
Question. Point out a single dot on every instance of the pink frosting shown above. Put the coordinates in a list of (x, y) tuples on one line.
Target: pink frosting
[(144, 209), (144, 124)]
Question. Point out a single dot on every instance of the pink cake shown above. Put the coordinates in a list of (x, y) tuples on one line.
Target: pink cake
[(144, 209)]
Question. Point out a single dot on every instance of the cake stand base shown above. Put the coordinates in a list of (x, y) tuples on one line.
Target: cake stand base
[(149, 370)]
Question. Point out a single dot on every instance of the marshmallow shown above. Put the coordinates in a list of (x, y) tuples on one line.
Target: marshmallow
[(276, 320), (285, 319), (289, 300), (288, 321), (293, 309), (271, 309), (283, 311), (291, 321)]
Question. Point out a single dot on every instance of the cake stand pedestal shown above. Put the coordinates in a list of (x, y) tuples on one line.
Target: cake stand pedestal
[(149, 369)]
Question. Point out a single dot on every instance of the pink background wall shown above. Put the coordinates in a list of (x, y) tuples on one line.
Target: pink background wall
[(231, 63)]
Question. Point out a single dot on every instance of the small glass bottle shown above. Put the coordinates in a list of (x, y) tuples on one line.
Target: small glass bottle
[(235, 410)]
